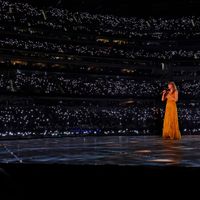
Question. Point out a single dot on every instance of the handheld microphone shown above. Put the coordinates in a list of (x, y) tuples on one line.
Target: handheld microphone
[(167, 90)]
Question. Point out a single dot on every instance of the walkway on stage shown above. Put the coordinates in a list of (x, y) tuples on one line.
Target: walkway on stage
[(107, 150)]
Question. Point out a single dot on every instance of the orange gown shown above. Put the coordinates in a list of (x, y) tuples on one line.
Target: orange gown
[(171, 125)]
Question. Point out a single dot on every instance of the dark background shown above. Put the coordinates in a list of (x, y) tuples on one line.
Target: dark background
[(126, 7)]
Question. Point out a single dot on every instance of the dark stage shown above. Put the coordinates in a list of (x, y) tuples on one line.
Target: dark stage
[(108, 150), (61, 165)]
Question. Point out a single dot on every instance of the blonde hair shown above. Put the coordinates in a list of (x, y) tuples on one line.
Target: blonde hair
[(174, 85)]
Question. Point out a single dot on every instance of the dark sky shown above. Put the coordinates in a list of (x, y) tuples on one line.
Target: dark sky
[(126, 7)]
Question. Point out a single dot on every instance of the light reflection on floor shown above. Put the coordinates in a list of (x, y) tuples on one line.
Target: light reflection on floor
[(114, 150)]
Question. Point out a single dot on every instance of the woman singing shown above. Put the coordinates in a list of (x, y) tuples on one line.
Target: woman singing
[(170, 125)]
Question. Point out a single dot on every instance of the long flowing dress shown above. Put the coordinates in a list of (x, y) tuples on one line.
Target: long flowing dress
[(171, 125)]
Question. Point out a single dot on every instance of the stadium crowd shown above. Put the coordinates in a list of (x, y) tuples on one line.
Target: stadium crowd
[(62, 35)]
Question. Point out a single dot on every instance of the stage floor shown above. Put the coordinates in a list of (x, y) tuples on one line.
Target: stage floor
[(107, 150)]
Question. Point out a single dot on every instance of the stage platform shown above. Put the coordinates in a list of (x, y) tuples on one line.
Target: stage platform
[(62, 165), (108, 150)]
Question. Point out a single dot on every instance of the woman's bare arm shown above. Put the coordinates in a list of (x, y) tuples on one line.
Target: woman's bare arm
[(163, 96)]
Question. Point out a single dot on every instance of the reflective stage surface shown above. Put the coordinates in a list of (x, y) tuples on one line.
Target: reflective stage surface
[(108, 150)]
